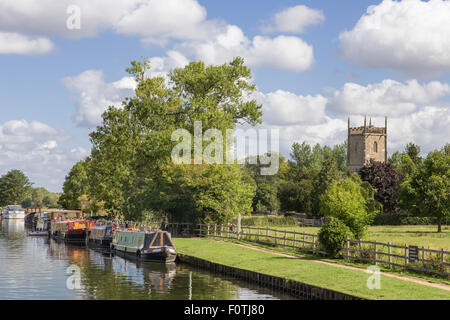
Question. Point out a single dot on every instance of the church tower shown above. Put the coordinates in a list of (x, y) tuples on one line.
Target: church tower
[(365, 143)]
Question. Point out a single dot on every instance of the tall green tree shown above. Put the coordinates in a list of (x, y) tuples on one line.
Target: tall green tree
[(413, 151), (351, 202), (427, 192), (75, 185), (14, 187), (133, 145)]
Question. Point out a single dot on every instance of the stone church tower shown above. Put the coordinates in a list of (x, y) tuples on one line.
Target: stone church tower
[(365, 143)]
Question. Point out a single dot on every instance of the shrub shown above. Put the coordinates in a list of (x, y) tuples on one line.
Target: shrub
[(332, 236)]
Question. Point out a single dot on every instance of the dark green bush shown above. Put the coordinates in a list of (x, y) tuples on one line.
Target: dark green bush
[(332, 236)]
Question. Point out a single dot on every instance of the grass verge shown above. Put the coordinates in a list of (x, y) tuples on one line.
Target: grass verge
[(339, 279)]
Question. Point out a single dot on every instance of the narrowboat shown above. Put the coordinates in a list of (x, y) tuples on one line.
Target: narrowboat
[(70, 230), (13, 212), (101, 236), (43, 225), (154, 246)]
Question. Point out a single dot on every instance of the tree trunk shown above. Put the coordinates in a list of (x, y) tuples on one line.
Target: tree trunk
[(439, 224)]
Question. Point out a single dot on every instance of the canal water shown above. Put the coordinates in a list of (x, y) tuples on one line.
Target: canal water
[(41, 268)]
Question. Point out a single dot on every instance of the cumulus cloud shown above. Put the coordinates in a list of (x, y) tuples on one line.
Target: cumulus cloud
[(294, 20), (283, 52), (389, 97), (95, 95), (406, 36), (15, 43), (285, 108), (33, 148)]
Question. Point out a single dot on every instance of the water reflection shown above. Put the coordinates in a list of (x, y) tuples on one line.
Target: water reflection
[(36, 268)]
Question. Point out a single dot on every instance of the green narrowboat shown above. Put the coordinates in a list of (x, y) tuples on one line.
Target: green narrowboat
[(101, 236), (154, 246)]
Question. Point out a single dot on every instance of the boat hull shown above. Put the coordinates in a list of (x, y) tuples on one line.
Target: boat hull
[(70, 237), (160, 257)]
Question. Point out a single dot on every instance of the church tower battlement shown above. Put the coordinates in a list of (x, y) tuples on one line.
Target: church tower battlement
[(365, 143)]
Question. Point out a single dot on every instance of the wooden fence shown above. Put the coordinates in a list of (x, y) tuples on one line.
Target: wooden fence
[(378, 253)]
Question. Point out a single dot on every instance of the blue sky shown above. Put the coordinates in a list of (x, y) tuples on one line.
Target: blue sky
[(315, 65)]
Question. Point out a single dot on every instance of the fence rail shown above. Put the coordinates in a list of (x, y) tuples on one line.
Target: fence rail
[(379, 253)]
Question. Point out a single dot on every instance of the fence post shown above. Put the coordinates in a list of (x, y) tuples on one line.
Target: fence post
[(258, 233), (215, 230), (360, 250), (376, 253), (276, 235), (347, 246), (442, 260), (295, 240), (406, 254), (389, 255), (267, 233), (423, 256), (207, 235), (314, 243), (285, 239), (221, 230)]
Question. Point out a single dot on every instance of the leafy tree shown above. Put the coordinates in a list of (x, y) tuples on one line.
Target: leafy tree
[(14, 188), (191, 193), (426, 193), (384, 179), (328, 173), (349, 202), (75, 185), (267, 186), (133, 145), (413, 151), (403, 164)]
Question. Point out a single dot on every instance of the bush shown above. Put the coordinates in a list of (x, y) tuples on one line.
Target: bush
[(332, 236)]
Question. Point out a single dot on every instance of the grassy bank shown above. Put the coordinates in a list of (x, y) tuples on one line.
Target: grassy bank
[(348, 281)]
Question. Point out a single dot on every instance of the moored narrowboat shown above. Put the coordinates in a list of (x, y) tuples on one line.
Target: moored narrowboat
[(70, 230), (154, 246), (101, 236)]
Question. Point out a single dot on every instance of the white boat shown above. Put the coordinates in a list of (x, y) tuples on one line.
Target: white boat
[(13, 212)]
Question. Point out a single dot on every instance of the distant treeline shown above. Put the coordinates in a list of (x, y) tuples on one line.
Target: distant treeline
[(16, 188)]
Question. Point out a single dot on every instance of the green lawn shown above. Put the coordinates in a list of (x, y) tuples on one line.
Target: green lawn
[(339, 279)]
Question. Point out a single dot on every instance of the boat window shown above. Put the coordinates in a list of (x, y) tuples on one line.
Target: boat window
[(157, 241), (166, 241)]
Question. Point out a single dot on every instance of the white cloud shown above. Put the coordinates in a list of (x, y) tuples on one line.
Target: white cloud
[(158, 20), (285, 108), (283, 52), (294, 20), (388, 97), (33, 148), (160, 66), (407, 36), (15, 43), (429, 127), (95, 96), (50, 17)]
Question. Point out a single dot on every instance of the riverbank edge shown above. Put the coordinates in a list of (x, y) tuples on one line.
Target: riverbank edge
[(292, 287)]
